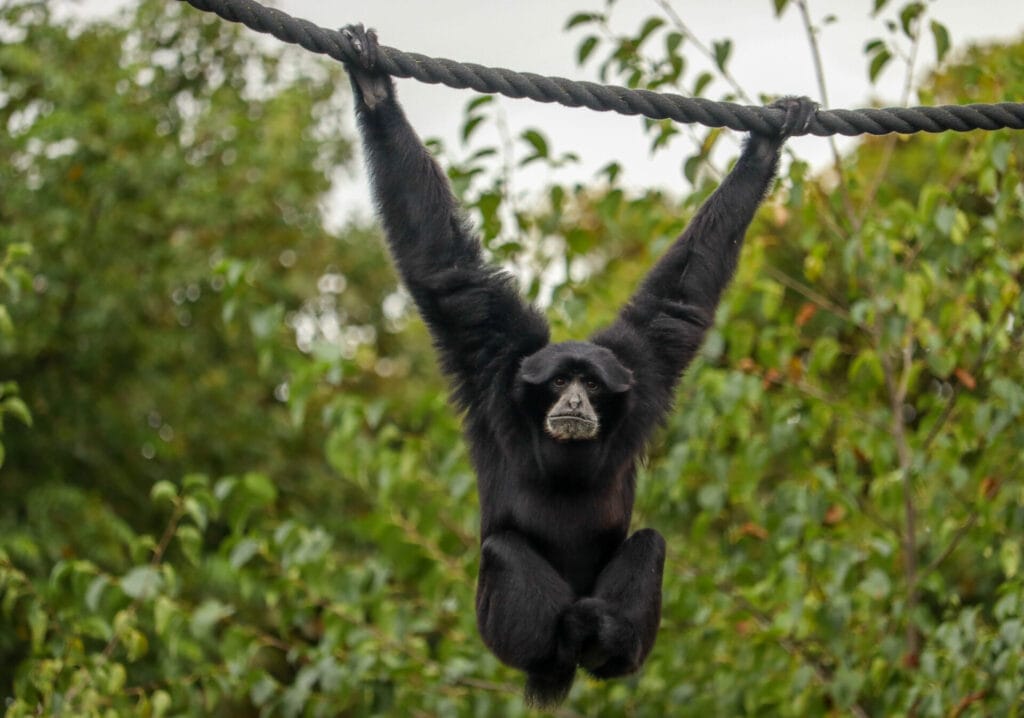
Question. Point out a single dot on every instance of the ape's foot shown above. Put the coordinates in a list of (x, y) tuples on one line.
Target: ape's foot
[(374, 87), (607, 644)]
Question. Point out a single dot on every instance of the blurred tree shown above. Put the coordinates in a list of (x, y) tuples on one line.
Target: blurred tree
[(841, 485), (167, 172), (168, 175)]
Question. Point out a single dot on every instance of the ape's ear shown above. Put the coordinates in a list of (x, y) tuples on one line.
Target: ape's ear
[(539, 368), (615, 377)]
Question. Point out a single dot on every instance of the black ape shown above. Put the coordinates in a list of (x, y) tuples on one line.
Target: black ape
[(555, 430)]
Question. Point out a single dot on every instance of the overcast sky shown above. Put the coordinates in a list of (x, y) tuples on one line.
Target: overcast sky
[(769, 56)]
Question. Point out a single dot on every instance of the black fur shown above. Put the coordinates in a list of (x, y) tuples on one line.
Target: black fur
[(560, 583)]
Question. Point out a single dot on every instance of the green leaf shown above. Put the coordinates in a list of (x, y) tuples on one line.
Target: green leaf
[(824, 354), (1009, 557), (1001, 153), (780, 6), (582, 18), (878, 63), (537, 141), (6, 325), (672, 42), (478, 102), (611, 171), (194, 483), (691, 167), (94, 594), (866, 370), (471, 124), (135, 643), (912, 298), (37, 623), (163, 610), (263, 690), (117, 676), (195, 510), (224, 487), (142, 582), (846, 685), (260, 488), (191, 543), (18, 251), (652, 24), (207, 615), (96, 627), (16, 408), (161, 703), (586, 48), (941, 362), (666, 130), (941, 37), (703, 80), (163, 491), (876, 584), (722, 49), (243, 551), (908, 14)]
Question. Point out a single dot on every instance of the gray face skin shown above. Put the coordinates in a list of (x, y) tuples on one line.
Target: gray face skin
[(572, 418)]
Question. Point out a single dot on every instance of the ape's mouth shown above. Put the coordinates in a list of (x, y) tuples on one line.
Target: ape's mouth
[(567, 427)]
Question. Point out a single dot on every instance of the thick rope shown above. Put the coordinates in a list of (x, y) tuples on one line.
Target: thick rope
[(765, 120)]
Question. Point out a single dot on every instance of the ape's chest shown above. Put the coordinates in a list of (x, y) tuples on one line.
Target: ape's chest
[(577, 534)]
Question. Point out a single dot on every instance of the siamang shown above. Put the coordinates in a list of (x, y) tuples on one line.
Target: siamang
[(555, 430)]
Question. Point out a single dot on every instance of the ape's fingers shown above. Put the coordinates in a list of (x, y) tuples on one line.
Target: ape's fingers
[(372, 48), (799, 111)]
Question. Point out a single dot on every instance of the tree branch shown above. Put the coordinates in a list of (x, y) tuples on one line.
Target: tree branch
[(819, 72), (890, 146), (951, 547), (897, 397), (810, 294)]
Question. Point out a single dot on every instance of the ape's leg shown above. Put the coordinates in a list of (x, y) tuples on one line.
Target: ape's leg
[(519, 601), (615, 628)]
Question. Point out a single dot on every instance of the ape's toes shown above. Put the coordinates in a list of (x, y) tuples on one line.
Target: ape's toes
[(580, 621)]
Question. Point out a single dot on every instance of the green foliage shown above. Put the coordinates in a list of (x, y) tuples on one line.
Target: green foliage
[(903, 36), (233, 484), (13, 280)]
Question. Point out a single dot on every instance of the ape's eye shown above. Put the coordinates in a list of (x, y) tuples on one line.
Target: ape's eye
[(559, 381), (591, 384)]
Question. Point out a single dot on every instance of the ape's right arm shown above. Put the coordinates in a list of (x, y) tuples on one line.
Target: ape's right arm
[(480, 324), (412, 195)]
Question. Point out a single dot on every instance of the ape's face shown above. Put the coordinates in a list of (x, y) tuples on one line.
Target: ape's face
[(572, 416), (572, 387)]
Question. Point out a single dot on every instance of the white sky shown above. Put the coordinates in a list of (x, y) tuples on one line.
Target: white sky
[(769, 56)]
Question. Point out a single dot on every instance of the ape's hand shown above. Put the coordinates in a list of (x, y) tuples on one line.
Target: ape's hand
[(368, 83), (763, 149), (799, 112)]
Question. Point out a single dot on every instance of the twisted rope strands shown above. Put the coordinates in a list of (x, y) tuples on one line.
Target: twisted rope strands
[(610, 98)]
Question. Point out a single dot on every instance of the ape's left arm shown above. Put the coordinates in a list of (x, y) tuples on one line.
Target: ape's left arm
[(660, 330)]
